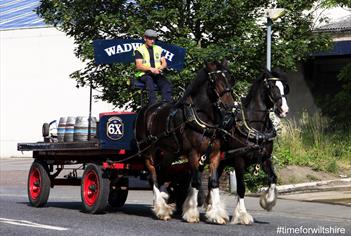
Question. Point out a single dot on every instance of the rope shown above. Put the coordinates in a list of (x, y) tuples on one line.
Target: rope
[(136, 154)]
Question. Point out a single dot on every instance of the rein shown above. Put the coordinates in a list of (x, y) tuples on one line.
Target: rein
[(252, 133), (204, 126), (225, 91)]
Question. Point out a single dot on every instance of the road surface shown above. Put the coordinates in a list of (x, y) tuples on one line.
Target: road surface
[(63, 216)]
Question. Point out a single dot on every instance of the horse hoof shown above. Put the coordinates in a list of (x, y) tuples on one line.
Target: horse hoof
[(217, 217), (192, 216), (193, 220), (243, 219), (165, 218), (265, 204), (218, 221), (164, 211)]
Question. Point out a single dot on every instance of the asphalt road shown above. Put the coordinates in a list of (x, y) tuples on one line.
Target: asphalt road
[(63, 216)]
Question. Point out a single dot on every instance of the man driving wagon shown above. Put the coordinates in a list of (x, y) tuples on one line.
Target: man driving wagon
[(150, 61)]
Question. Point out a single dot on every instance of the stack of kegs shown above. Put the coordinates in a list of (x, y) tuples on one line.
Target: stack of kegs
[(71, 129)]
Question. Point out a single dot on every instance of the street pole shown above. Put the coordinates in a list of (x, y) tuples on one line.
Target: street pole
[(269, 43), (272, 15), (90, 108)]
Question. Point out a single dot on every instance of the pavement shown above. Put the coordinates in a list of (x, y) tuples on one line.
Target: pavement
[(63, 215), (336, 191)]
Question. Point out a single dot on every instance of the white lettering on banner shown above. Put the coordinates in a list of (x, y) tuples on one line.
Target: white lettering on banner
[(169, 56), (111, 51), (119, 49), (136, 45), (127, 47)]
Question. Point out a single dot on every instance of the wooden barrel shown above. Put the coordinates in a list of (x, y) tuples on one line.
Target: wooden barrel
[(81, 128), (61, 129), (69, 131)]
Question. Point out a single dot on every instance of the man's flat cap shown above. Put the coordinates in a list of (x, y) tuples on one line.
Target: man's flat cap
[(151, 33)]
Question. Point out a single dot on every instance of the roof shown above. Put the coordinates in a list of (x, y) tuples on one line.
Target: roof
[(340, 48), (342, 25), (18, 14)]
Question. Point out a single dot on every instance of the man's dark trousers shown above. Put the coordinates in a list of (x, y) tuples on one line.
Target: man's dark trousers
[(162, 83)]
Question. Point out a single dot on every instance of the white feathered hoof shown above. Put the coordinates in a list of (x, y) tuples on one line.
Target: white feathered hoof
[(163, 211), (190, 212), (242, 218), (191, 215), (268, 202), (216, 215)]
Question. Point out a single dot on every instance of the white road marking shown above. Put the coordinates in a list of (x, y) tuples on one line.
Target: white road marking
[(30, 224)]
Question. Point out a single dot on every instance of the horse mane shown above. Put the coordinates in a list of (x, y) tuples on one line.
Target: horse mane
[(198, 82), (253, 89)]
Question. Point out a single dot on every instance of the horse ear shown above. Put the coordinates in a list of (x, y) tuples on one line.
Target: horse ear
[(210, 66), (279, 73), (225, 63)]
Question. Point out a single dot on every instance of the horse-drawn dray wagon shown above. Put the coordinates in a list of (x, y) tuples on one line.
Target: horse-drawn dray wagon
[(104, 159), (197, 129)]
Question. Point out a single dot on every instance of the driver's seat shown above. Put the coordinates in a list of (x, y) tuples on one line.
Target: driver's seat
[(136, 84)]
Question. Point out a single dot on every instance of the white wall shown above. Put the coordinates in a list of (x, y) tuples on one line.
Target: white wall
[(35, 86)]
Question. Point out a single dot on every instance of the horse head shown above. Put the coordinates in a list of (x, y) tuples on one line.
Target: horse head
[(276, 91), (220, 86)]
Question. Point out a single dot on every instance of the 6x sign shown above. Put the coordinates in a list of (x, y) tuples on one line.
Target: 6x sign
[(115, 128)]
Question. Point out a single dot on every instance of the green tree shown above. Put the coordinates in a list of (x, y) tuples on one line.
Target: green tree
[(208, 29), (339, 106)]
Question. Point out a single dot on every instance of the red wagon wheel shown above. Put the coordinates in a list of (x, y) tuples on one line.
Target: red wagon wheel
[(94, 189), (38, 184)]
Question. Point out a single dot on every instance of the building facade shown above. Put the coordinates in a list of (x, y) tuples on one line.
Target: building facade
[(35, 63)]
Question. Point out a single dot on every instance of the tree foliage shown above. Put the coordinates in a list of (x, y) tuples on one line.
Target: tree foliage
[(208, 29), (339, 106)]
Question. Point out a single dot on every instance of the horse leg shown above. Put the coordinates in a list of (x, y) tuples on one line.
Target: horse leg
[(240, 215), (215, 210), (268, 198), (161, 209), (190, 211)]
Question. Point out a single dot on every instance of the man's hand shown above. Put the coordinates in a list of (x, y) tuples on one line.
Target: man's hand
[(155, 70)]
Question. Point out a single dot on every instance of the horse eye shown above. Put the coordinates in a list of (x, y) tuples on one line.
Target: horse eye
[(286, 88)]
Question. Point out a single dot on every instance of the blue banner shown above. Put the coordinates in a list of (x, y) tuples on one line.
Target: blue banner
[(122, 51)]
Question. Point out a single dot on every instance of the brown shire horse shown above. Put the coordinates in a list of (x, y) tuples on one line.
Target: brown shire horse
[(187, 132), (251, 141)]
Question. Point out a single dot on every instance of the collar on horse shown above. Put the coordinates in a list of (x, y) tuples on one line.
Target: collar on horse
[(253, 134), (191, 116), (195, 122)]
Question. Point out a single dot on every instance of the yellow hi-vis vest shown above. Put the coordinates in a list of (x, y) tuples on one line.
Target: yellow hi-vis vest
[(146, 57)]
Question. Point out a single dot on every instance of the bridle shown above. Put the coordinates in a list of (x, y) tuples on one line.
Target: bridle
[(273, 99), (253, 134), (213, 76)]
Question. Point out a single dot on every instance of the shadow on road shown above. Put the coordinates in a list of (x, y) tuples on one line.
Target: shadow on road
[(63, 205), (129, 209), (261, 222), (133, 209), (143, 210)]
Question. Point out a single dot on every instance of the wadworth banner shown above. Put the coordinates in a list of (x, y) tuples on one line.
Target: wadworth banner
[(122, 51)]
